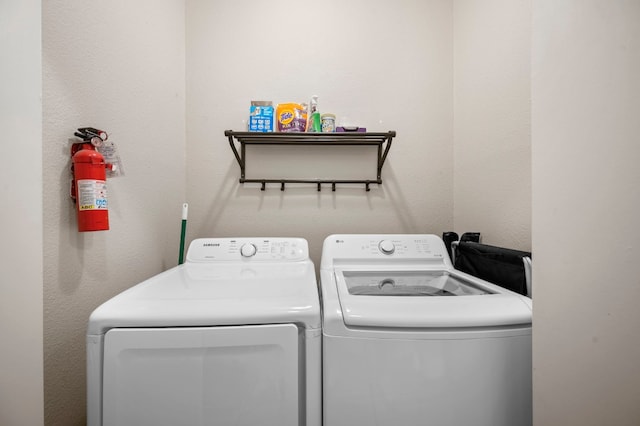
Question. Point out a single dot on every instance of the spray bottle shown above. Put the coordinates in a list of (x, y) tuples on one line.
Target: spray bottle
[(314, 124)]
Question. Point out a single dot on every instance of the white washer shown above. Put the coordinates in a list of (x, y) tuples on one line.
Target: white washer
[(408, 340), (231, 337)]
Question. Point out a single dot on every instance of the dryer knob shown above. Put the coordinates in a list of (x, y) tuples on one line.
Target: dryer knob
[(248, 250), (386, 247)]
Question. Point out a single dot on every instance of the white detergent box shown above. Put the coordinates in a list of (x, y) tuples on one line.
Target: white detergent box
[(261, 115)]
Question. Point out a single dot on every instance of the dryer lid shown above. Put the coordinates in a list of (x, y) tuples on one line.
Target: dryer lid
[(205, 294), (425, 299)]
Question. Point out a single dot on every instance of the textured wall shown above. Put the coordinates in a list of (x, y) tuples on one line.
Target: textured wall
[(116, 65), (384, 65), (21, 214), (492, 129), (586, 104)]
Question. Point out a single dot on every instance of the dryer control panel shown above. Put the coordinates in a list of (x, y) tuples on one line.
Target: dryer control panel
[(248, 249), (422, 247)]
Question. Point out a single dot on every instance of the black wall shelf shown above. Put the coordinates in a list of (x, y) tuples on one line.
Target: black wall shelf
[(381, 140)]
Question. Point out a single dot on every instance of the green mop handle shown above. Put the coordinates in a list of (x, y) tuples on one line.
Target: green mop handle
[(183, 231)]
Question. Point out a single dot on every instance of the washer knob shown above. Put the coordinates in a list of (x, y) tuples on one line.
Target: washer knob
[(248, 250), (386, 247)]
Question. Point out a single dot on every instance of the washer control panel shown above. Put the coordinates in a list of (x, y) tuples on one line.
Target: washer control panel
[(248, 249), (384, 247)]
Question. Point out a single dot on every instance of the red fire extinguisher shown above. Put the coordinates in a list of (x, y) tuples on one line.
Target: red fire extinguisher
[(89, 183)]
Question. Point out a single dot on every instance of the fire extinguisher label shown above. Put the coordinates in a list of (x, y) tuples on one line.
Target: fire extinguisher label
[(92, 194)]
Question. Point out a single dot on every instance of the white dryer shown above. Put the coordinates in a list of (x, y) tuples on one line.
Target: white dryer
[(408, 340), (231, 337)]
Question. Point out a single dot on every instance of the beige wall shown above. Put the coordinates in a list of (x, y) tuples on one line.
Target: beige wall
[(117, 66), (586, 239), (384, 65), (128, 76), (492, 129), (21, 373)]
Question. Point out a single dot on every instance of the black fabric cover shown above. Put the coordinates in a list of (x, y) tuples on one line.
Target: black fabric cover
[(497, 265)]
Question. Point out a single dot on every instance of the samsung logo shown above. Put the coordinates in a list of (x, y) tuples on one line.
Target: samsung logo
[(211, 245)]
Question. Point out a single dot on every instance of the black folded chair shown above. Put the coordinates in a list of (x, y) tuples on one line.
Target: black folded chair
[(507, 268)]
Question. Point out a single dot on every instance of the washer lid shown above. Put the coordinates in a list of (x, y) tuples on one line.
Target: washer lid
[(207, 294), (425, 299), (409, 283)]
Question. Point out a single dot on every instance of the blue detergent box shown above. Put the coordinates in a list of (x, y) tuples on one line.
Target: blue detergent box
[(261, 116)]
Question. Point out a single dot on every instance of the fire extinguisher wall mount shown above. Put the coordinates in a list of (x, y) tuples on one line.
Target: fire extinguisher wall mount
[(89, 182)]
